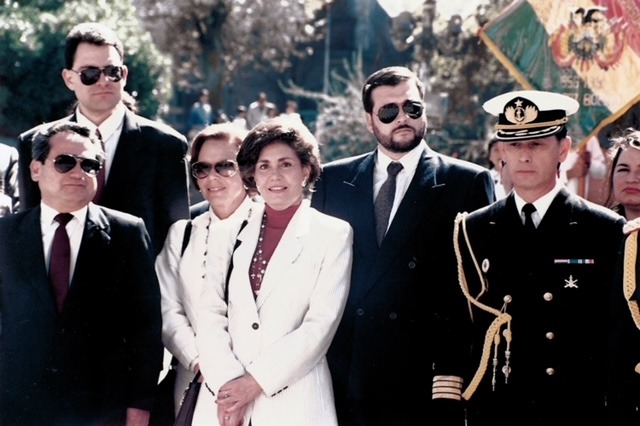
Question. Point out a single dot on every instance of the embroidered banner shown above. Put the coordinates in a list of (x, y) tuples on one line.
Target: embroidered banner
[(586, 49)]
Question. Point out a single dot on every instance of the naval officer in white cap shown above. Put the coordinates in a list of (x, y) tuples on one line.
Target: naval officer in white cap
[(536, 268)]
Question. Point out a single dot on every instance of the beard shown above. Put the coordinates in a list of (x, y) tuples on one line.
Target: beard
[(393, 145)]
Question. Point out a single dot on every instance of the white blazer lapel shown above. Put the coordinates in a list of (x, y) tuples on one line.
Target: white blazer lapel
[(242, 257), (286, 252)]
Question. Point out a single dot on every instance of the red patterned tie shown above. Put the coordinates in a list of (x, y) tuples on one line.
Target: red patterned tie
[(101, 174), (60, 263)]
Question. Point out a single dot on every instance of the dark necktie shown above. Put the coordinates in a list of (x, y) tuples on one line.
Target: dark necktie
[(60, 262), (101, 174), (384, 201), (528, 211)]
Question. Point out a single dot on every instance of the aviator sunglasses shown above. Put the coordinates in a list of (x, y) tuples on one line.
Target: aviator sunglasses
[(91, 75), (66, 162), (225, 168), (387, 113)]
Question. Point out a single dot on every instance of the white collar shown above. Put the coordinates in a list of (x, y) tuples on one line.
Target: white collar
[(543, 203), (109, 126)]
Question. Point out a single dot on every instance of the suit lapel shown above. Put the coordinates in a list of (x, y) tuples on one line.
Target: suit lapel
[(127, 151), (422, 193), (29, 242), (286, 252), (242, 256), (92, 253), (358, 197)]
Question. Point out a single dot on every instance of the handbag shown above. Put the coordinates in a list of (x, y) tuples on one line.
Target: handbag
[(188, 403), (162, 412)]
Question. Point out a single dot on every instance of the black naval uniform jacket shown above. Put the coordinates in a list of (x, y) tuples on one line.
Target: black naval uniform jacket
[(558, 283)]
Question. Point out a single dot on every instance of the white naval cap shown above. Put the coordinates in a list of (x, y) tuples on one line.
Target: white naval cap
[(530, 114)]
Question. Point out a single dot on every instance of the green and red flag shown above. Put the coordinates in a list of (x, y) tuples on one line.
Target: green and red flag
[(586, 49)]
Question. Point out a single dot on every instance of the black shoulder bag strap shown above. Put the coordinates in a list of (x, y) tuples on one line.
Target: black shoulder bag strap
[(186, 238), (236, 245), (185, 243)]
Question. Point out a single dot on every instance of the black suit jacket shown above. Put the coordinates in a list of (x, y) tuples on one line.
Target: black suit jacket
[(559, 282), (148, 176), (104, 352), (394, 323)]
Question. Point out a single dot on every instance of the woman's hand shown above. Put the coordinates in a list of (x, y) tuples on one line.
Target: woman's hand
[(233, 398)]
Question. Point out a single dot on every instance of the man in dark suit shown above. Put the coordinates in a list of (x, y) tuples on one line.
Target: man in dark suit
[(395, 333), (86, 350), (145, 170), (538, 273)]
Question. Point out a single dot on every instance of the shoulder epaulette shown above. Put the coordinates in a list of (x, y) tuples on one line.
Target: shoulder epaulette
[(631, 226)]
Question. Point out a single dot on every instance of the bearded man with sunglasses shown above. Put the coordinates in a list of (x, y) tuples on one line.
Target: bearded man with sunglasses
[(399, 329), (145, 171), (80, 341)]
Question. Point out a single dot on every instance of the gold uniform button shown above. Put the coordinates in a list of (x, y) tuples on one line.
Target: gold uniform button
[(550, 371), (548, 297), (549, 335)]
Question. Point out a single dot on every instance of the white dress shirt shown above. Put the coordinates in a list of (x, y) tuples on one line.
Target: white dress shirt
[(110, 131), (409, 163), (541, 204), (75, 229)]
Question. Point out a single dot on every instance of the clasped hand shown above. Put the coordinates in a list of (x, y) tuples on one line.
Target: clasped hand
[(234, 397)]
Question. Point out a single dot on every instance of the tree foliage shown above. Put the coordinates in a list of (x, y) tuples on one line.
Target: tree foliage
[(340, 127), (32, 37), (462, 66), (457, 63), (211, 40)]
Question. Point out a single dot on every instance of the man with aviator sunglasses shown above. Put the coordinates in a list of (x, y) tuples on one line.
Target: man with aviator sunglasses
[(403, 288), (84, 349), (145, 168)]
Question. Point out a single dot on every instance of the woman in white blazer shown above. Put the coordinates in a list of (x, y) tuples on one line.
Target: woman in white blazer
[(215, 172), (262, 346)]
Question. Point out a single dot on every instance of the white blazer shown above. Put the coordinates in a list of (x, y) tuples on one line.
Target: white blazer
[(282, 337), (180, 278)]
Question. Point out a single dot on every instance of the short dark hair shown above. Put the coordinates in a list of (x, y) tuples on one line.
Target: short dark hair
[(390, 76), (92, 33), (41, 143), (223, 132), (562, 133), (286, 130)]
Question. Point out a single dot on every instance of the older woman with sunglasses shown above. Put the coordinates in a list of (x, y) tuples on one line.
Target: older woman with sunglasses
[(623, 176), (275, 290), (215, 172)]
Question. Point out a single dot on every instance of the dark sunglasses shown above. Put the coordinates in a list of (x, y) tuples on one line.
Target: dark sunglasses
[(91, 75), (387, 113), (66, 162), (225, 168)]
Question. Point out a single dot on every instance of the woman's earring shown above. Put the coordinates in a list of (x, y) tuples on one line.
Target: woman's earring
[(304, 182)]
